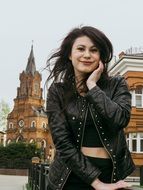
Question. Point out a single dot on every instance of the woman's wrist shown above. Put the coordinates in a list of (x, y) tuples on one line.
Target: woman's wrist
[(95, 183), (91, 85)]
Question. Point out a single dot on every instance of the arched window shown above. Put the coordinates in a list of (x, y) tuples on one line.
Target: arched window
[(31, 141), (19, 138), (43, 143), (44, 125), (9, 141), (33, 124), (10, 126)]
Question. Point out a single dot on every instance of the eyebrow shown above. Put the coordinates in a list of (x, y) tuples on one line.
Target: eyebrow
[(85, 46)]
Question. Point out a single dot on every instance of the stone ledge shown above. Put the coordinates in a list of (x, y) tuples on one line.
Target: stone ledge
[(20, 172)]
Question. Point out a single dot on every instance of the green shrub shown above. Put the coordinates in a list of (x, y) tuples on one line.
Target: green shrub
[(17, 155)]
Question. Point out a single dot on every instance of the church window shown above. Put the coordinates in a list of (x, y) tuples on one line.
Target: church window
[(31, 141), (44, 125), (33, 124), (10, 126), (19, 139), (9, 141), (43, 143)]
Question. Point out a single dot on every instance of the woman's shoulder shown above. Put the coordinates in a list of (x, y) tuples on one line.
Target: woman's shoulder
[(116, 79), (57, 86)]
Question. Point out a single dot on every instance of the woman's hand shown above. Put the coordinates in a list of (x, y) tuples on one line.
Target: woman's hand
[(98, 185), (95, 76)]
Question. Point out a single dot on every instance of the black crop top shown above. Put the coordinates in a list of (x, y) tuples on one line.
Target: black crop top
[(91, 137)]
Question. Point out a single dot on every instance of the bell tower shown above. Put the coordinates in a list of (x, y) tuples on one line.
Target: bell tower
[(28, 122), (30, 80)]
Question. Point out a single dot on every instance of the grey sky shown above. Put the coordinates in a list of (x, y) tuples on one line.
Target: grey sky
[(48, 21)]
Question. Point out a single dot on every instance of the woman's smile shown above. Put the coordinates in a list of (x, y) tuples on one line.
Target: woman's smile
[(86, 63)]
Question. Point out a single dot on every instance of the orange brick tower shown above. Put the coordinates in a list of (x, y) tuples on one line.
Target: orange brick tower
[(28, 122)]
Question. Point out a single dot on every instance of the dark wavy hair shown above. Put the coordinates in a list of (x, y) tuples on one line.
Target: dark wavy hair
[(63, 69)]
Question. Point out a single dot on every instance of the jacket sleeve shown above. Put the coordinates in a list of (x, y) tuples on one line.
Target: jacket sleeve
[(114, 110), (73, 158)]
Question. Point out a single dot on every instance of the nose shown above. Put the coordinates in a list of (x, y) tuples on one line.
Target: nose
[(87, 54)]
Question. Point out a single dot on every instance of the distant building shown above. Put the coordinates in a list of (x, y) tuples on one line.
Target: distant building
[(2, 138), (28, 122), (130, 65)]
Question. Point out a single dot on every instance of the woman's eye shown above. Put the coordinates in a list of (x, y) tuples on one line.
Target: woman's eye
[(80, 48), (94, 50)]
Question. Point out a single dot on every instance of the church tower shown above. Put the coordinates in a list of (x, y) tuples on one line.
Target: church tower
[(28, 122)]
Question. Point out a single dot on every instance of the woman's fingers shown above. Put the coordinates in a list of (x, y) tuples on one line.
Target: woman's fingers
[(123, 184)]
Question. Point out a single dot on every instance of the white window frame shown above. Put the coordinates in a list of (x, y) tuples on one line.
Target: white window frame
[(138, 142), (141, 138), (134, 95)]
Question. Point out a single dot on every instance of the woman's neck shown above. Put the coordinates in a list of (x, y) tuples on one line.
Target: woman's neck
[(81, 84)]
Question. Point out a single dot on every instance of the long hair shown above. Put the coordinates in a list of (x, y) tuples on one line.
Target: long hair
[(63, 69)]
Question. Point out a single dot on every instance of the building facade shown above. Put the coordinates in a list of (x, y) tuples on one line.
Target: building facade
[(2, 138), (130, 65), (28, 122)]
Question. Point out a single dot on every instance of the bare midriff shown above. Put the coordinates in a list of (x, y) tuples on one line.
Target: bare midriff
[(97, 152)]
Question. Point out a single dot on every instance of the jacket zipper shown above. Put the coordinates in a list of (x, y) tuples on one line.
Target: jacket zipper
[(103, 144)]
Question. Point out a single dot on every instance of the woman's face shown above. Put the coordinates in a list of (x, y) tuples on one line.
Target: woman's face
[(85, 56)]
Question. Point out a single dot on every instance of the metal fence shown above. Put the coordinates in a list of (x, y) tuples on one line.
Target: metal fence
[(37, 176)]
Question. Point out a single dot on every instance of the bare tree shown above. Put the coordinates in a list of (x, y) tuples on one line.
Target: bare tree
[(4, 111)]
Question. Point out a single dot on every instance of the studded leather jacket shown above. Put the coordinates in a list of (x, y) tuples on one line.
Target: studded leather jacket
[(110, 108)]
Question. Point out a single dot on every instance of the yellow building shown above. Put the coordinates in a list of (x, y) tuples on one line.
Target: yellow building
[(28, 122)]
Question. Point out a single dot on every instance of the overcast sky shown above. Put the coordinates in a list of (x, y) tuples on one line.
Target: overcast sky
[(46, 22)]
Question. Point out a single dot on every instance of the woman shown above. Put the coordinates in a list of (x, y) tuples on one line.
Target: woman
[(87, 112)]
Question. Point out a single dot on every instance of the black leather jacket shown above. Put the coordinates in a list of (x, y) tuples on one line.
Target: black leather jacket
[(110, 108)]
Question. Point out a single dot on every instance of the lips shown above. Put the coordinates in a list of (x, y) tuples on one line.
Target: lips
[(86, 62)]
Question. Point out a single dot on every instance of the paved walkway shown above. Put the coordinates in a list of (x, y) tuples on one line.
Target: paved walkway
[(12, 182)]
